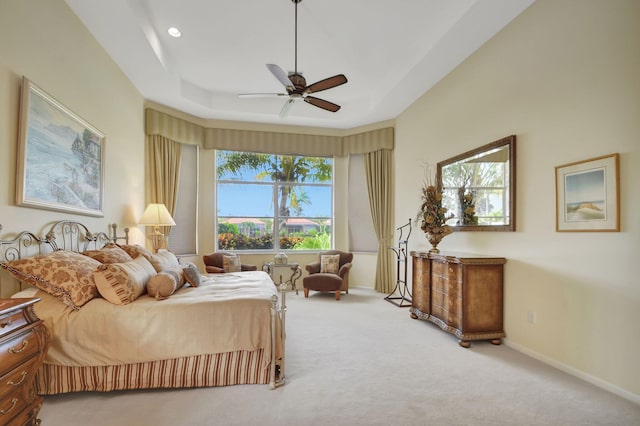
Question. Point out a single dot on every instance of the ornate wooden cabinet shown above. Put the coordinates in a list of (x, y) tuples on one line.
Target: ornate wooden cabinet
[(23, 344), (461, 293)]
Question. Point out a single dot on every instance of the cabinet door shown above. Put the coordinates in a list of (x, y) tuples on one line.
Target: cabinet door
[(483, 298), (420, 286), (439, 290)]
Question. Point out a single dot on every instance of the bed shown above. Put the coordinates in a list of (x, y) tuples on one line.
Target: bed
[(108, 333)]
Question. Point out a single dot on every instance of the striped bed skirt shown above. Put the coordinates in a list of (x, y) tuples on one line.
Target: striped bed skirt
[(224, 369)]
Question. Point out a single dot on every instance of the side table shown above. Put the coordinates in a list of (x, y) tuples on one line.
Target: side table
[(295, 273), (24, 340)]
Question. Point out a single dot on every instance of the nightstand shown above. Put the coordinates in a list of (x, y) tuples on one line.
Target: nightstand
[(295, 273), (24, 340)]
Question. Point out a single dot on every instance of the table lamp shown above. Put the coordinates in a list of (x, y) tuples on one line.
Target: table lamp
[(156, 215)]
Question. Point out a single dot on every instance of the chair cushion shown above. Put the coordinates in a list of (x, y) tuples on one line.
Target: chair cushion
[(231, 263), (322, 282), (330, 263)]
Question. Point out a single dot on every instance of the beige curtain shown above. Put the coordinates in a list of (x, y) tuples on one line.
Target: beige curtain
[(184, 131), (379, 172), (163, 172)]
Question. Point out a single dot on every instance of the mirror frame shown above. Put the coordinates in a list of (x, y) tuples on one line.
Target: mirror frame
[(507, 141)]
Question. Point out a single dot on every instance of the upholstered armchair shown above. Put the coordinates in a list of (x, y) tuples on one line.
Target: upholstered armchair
[(215, 263), (329, 273)]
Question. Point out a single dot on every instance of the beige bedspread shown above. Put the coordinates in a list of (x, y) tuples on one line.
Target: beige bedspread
[(228, 312)]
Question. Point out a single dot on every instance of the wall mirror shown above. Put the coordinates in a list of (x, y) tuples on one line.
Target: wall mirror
[(479, 187)]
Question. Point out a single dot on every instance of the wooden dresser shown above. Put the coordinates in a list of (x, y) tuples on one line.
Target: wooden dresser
[(461, 293), (23, 344)]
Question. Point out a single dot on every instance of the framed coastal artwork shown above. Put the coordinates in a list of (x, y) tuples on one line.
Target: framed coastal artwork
[(588, 195), (60, 157)]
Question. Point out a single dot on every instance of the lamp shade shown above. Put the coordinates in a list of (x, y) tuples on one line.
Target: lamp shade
[(156, 215)]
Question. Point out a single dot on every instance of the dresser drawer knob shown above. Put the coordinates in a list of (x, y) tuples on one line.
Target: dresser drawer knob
[(24, 376), (14, 401), (25, 342), (6, 323)]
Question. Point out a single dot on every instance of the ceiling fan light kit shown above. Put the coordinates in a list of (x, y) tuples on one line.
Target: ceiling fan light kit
[(296, 84)]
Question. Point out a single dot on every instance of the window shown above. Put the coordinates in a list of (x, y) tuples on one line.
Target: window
[(262, 198)]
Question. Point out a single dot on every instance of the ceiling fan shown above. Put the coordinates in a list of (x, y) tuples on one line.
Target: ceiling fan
[(296, 85)]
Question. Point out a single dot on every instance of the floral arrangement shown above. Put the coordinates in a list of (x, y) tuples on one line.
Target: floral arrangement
[(467, 207), (433, 216)]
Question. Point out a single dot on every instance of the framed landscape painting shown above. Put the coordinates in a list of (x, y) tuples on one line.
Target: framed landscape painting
[(587, 195), (60, 157)]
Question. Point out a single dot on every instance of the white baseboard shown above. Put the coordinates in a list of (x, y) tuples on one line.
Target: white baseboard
[(576, 373)]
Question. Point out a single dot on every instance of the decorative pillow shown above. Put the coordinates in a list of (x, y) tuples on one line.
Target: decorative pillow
[(231, 263), (164, 260), (110, 253), (330, 263), (135, 250), (165, 283), (122, 283), (192, 275), (66, 275)]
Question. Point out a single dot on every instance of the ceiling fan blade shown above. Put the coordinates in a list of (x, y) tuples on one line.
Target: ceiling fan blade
[(321, 103), (280, 74), (261, 95), (284, 112), (327, 83)]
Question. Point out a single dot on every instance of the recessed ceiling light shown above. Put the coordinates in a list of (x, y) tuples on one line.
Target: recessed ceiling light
[(174, 32)]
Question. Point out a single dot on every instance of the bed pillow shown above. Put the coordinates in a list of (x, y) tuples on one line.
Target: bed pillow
[(122, 283), (110, 253), (164, 260), (192, 274), (66, 275), (231, 263), (330, 263), (165, 283)]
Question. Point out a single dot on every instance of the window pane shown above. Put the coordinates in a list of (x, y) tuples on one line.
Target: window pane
[(304, 169), (245, 233), (245, 166), (304, 200), (305, 234), (245, 200)]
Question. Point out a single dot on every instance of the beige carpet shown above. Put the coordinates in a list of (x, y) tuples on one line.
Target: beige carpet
[(364, 361)]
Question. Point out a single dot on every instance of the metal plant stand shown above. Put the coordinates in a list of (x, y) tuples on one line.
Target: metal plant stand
[(401, 291)]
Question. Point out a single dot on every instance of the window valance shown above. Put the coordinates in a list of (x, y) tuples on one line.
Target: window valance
[(183, 131)]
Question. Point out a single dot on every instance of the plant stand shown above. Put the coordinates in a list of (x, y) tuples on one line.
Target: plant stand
[(401, 291)]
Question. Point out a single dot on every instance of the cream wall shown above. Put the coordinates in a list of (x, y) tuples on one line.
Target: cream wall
[(565, 78), (44, 41)]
